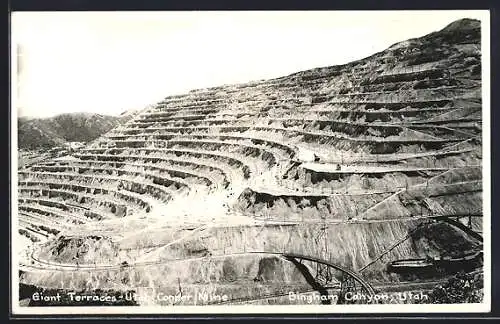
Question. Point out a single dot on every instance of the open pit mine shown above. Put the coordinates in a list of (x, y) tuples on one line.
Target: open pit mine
[(351, 180)]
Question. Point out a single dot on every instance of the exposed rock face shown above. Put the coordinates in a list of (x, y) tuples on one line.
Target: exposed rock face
[(345, 163), (82, 250)]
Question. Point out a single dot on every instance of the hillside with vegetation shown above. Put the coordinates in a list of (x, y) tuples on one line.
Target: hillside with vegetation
[(38, 133)]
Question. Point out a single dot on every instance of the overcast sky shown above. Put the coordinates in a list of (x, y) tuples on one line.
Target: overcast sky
[(111, 62)]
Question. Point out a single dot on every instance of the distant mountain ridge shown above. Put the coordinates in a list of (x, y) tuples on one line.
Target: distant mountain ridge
[(72, 127)]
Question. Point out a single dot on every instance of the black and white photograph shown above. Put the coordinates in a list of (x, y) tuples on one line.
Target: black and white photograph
[(250, 162)]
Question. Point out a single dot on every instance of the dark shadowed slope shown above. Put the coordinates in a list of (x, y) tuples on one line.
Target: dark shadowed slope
[(53, 131)]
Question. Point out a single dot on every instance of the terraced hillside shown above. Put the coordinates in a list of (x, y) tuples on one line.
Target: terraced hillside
[(359, 164)]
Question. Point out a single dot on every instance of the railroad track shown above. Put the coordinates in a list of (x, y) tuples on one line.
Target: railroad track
[(72, 267), (401, 286)]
